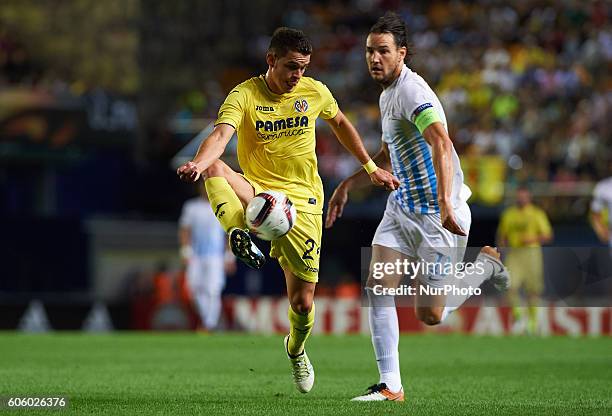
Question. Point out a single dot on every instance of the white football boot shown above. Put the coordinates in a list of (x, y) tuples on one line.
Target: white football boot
[(303, 373), (500, 277)]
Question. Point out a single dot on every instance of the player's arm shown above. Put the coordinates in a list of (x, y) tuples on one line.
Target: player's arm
[(359, 179), (184, 236), (441, 153), (545, 231), (599, 226), (502, 238), (209, 151), (545, 238), (349, 138), (597, 218)]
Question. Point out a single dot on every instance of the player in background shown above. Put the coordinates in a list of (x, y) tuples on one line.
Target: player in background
[(203, 252), (523, 228), (427, 218), (274, 116), (600, 206)]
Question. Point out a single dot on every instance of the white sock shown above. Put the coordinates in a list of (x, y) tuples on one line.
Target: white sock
[(385, 338), (209, 309), (213, 310), (473, 280)]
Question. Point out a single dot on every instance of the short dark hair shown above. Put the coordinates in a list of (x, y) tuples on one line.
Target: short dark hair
[(392, 23), (285, 39)]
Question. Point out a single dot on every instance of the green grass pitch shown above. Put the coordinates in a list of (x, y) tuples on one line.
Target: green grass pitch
[(238, 374)]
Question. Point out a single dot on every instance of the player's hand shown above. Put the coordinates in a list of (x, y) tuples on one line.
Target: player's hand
[(605, 236), (447, 215), (188, 172), (381, 177), (336, 204)]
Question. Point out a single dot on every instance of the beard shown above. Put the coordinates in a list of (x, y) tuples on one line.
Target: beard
[(385, 79)]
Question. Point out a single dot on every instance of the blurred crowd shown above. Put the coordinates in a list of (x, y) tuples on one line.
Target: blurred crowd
[(526, 80)]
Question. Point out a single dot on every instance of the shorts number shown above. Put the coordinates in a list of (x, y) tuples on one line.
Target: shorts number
[(310, 242)]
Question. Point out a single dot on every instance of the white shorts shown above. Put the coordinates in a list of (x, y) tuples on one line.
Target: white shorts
[(206, 275), (421, 237)]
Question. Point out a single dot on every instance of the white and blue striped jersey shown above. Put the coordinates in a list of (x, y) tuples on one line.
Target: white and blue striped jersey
[(410, 153), (207, 235)]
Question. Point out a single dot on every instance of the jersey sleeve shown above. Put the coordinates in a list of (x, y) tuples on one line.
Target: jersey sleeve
[(329, 104), (233, 108), (597, 204), (417, 107)]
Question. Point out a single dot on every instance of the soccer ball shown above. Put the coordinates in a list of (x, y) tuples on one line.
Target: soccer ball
[(270, 215)]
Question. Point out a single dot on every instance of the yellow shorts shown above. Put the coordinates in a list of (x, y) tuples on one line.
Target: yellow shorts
[(526, 269), (299, 250)]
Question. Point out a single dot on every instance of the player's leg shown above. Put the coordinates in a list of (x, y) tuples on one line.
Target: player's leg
[(534, 287), (520, 274), (301, 314), (229, 193), (438, 247), (384, 326), (195, 278), (212, 289), (382, 317), (448, 247), (389, 243), (432, 309), (298, 254)]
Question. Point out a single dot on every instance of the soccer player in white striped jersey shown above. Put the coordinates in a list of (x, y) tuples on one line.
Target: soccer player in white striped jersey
[(427, 218), (203, 251)]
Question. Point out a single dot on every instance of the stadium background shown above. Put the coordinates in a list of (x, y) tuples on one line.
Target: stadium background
[(97, 99)]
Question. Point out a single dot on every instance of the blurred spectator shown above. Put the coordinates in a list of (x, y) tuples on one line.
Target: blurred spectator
[(203, 251), (523, 228)]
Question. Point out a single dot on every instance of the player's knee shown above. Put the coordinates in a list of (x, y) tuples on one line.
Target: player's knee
[(430, 316), (217, 169), (301, 303)]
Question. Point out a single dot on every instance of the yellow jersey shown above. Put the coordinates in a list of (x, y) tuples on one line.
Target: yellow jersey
[(276, 136), (520, 224)]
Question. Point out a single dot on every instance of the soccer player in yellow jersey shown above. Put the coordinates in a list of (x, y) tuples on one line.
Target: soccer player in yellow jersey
[(523, 228), (274, 116)]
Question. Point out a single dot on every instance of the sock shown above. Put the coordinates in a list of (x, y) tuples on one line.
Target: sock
[(212, 305), (225, 203), (517, 313), (385, 338), (532, 323), (473, 280), (200, 304), (300, 328)]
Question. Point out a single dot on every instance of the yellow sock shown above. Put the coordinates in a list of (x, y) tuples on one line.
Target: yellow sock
[(517, 313), (533, 319), (301, 325), (225, 203)]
